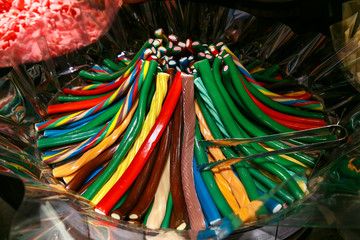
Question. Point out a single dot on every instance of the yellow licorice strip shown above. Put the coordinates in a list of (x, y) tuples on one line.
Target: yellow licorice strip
[(237, 188), (69, 169), (224, 188), (256, 69), (295, 94), (156, 104), (285, 156), (67, 179), (158, 209)]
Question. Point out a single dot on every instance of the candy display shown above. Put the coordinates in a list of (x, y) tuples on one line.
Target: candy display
[(130, 138)]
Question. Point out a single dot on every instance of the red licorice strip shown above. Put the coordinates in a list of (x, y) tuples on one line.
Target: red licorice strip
[(138, 188), (75, 106), (278, 115), (293, 125), (129, 176), (188, 45), (213, 50), (95, 91)]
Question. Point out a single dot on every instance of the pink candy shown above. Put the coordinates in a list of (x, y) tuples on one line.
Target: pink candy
[(29, 28)]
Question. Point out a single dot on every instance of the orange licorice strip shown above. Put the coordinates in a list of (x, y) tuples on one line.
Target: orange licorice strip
[(237, 188), (224, 188), (68, 169)]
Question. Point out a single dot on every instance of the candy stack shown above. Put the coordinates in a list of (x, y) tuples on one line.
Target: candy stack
[(129, 139)]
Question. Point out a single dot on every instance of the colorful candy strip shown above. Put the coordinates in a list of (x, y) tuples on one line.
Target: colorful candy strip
[(83, 114), (98, 149), (155, 108), (129, 137), (107, 77), (144, 152)]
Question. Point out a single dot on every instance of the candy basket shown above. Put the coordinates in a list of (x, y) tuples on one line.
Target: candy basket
[(29, 85)]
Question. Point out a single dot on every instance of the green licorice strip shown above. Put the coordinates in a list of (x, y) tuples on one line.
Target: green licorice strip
[(169, 46), (62, 98), (271, 103), (209, 179), (148, 213), (281, 192), (228, 152), (312, 106), (214, 113), (198, 46), (260, 115), (270, 71), (169, 205), (230, 124), (129, 136), (235, 132), (256, 111), (110, 64), (249, 126), (210, 106), (106, 68), (108, 77), (230, 88), (265, 190), (122, 200), (122, 64), (253, 64), (280, 107), (61, 140), (236, 77)]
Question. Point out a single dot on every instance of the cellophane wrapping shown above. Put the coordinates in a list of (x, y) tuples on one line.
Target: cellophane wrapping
[(49, 212)]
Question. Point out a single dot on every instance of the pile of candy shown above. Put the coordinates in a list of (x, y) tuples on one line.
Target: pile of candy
[(59, 26), (129, 139)]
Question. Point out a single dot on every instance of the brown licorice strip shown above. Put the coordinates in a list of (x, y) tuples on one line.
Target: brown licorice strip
[(137, 189), (88, 168), (62, 147), (181, 215), (172, 219), (88, 184), (196, 216), (148, 195)]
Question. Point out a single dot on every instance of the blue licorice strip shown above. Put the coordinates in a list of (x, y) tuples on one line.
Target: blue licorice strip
[(271, 204), (57, 132), (208, 206), (93, 174)]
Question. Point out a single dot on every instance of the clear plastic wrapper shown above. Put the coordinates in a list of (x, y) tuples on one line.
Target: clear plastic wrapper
[(308, 59)]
